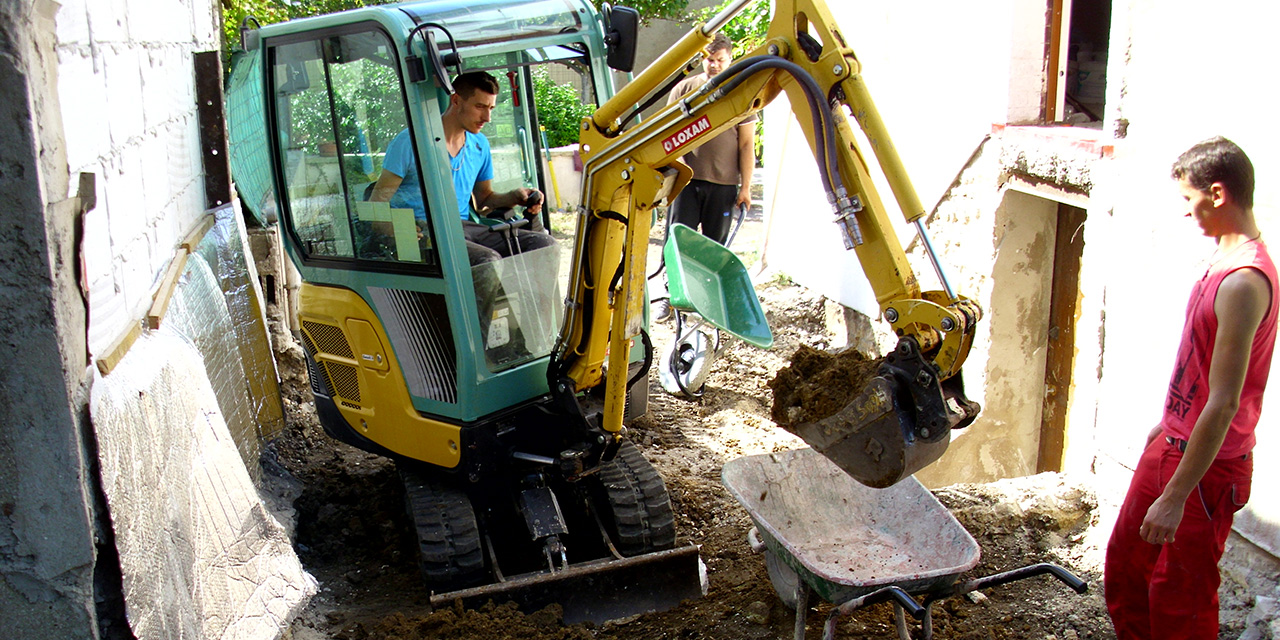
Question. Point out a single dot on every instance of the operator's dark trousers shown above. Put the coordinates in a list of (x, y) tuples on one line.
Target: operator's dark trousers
[(1170, 591), (708, 205)]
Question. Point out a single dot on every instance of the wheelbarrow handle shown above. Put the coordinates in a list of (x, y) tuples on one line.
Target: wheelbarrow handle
[(1068, 578), (896, 594)]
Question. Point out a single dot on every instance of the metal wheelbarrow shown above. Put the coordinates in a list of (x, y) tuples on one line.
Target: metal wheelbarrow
[(822, 533), (706, 279)]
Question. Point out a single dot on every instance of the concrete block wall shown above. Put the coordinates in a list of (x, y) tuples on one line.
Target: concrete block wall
[(126, 76)]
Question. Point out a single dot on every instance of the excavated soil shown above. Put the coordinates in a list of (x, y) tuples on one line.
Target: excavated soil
[(818, 383), (353, 536)]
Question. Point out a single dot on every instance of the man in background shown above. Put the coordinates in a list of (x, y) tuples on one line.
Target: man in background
[(722, 166)]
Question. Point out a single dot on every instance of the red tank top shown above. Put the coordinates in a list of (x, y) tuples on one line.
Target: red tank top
[(1189, 387)]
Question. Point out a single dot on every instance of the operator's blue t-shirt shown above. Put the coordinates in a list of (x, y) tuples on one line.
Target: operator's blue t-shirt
[(472, 164)]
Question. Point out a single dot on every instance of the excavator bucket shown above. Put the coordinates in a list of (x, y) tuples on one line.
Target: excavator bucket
[(707, 278), (598, 591), (898, 423)]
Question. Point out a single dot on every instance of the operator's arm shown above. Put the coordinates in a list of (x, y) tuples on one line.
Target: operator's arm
[(487, 198), (746, 160), (1242, 301), (386, 187)]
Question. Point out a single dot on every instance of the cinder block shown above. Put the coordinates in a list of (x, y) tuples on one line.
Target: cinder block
[(179, 143), (120, 67), (72, 22), (108, 21), (206, 27), (135, 276), (81, 94), (96, 248), (182, 97), (124, 195), (159, 21), (157, 189)]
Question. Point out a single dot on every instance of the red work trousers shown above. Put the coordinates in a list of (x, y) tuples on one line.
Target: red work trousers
[(1170, 591)]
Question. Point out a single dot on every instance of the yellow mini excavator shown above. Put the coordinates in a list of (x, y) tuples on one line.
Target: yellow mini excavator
[(501, 390)]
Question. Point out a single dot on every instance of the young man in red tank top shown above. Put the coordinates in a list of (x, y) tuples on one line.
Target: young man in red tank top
[(1161, 573)]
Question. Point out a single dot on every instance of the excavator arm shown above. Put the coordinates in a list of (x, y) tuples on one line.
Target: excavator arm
[(901, 420)]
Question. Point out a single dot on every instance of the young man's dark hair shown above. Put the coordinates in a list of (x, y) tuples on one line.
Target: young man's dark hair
[(468, 83), (1217, 160)]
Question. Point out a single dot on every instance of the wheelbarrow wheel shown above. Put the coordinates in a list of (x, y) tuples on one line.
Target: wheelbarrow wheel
[(786, 582)]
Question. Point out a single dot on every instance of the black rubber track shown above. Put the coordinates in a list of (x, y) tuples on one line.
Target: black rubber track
[(449, 550), (636, 497)]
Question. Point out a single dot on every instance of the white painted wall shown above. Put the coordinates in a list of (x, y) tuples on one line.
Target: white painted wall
[(1175, 86), (126, 80)]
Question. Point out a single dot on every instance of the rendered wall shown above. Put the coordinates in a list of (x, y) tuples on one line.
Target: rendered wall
[(47, 554), (1164, 82)]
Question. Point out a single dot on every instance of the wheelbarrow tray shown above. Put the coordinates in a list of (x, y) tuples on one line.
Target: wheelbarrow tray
[(705, 277), (845, 539)]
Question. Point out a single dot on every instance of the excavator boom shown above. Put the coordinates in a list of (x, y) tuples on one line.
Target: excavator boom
[(902, 419)]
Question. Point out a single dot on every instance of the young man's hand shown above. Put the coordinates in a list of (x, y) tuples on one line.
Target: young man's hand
[(1162, 520), (531, 199)]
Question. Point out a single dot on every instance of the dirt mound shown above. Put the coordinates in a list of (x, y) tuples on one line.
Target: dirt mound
[(817, 384)]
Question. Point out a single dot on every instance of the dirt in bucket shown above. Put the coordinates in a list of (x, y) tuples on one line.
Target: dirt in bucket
[(818, 383)]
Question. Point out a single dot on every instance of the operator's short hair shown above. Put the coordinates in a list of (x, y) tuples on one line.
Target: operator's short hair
[(720, 42), (470, 82), (1217, 160)]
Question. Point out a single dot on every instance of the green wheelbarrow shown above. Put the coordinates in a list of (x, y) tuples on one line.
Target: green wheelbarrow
[(705, 280)]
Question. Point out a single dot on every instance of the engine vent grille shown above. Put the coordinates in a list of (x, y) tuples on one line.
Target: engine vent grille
[(346, 380), (328, 339)]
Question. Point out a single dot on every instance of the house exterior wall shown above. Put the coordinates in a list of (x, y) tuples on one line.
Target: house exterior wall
[(47, 553), (1171, 87)]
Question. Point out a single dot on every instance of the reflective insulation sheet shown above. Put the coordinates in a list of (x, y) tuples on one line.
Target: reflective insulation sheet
[(200, 555), (200, 313), (226, 250)]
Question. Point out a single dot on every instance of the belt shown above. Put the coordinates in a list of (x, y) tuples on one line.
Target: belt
[(1181, 445)]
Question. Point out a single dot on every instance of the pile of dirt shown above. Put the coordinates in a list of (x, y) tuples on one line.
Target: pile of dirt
[(817, 384)]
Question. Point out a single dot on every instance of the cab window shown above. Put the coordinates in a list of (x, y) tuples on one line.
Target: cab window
[(340, 120)]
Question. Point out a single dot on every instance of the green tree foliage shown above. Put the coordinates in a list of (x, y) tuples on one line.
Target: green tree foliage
[(272, 11), (747, 30), (560, 110), (652, 9)]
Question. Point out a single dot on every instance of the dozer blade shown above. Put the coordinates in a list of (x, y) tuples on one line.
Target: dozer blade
[(600, 590)]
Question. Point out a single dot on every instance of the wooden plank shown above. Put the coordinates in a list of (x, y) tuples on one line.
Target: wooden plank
[(197, 233), (170, 282), (117, 350)]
